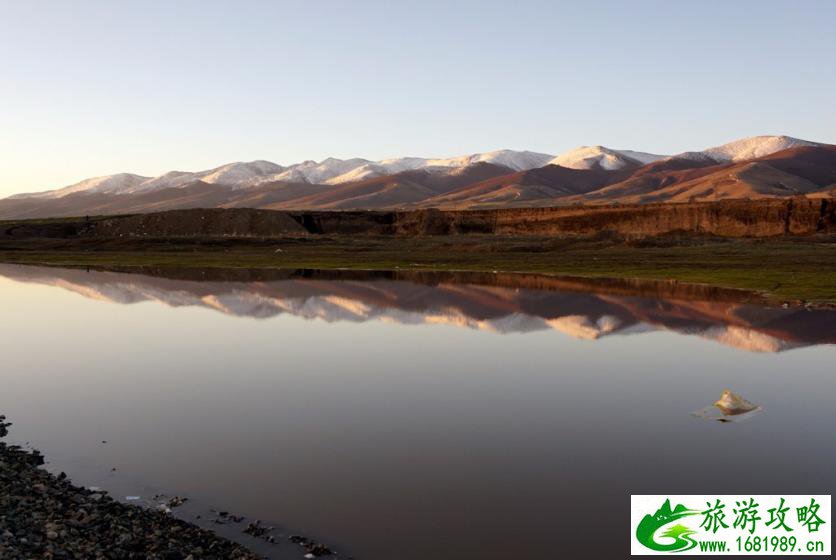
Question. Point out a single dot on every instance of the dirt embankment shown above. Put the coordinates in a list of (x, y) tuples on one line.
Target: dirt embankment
[(762, 218), (733, 218)]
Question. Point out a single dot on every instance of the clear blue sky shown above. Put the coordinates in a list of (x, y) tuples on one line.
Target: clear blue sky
[(92, 88)]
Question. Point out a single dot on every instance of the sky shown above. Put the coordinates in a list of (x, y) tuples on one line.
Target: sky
[(90, 88)]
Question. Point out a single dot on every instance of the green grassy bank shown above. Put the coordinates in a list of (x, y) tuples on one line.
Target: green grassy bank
[(784, 270)]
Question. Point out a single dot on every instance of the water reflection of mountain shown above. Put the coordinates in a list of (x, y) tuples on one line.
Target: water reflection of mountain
[(502, 303)]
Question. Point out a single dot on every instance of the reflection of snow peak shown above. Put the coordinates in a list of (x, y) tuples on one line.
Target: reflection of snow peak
[(746, 339), (481, 307), (581, 326)]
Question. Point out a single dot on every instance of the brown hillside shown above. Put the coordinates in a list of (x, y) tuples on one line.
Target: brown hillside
[(542, 184), (392, 191), (797, 171)]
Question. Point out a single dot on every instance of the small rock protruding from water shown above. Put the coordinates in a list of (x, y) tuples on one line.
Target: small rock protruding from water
[(176, 501), (732, 404), (730, 407), (4, 426), (313, 549), (256, 529)]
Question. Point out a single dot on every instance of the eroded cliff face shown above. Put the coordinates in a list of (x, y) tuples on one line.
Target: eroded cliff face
[(738, 218), (732, 218)]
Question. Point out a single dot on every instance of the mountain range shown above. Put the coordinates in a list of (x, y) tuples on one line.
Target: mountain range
[(757, 167)]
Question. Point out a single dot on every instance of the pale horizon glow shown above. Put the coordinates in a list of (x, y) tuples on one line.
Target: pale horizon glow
[(96, 88)]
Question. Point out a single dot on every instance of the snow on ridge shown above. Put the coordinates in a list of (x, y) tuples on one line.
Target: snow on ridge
[(165, 181), (642, 157), (516, 160), (746, 149), (331, 171), (754, 147), (241, 172), (590, 157), (317, 173), (105, 183), (236, 174)]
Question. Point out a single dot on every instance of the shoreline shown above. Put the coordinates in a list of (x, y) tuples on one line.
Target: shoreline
[(786, 270), (784, 249), (637, 287), (43, 514)]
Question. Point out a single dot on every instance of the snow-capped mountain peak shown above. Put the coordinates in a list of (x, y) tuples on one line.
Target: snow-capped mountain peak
[(518, 161), (120, 182), (317, 173), (240, 172), (591, 157), (746, 149), (754, 147), (237, 174), (332, 171)]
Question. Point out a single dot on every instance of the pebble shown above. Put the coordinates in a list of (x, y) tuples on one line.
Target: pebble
[(46, 516)]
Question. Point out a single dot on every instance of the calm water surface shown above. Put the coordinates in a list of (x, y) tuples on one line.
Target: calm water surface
[(414, 417)]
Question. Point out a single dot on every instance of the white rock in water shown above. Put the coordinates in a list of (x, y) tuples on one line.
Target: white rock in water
[(731, 403), (730, 407)]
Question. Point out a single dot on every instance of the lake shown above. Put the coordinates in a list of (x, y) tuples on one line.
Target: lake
[(414, 415)]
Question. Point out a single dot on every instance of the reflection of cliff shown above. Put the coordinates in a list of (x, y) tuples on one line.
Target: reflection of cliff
[(493, 302)]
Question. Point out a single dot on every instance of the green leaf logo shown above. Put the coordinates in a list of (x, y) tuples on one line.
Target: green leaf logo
[(681, 535)]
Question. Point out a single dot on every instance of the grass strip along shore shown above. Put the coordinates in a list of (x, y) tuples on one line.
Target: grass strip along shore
[(791, 270)]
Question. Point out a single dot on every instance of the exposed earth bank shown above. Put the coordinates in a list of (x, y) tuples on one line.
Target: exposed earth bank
[(732, 218)]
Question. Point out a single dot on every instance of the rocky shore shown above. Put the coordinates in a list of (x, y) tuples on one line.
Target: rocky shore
[(45, 516)]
